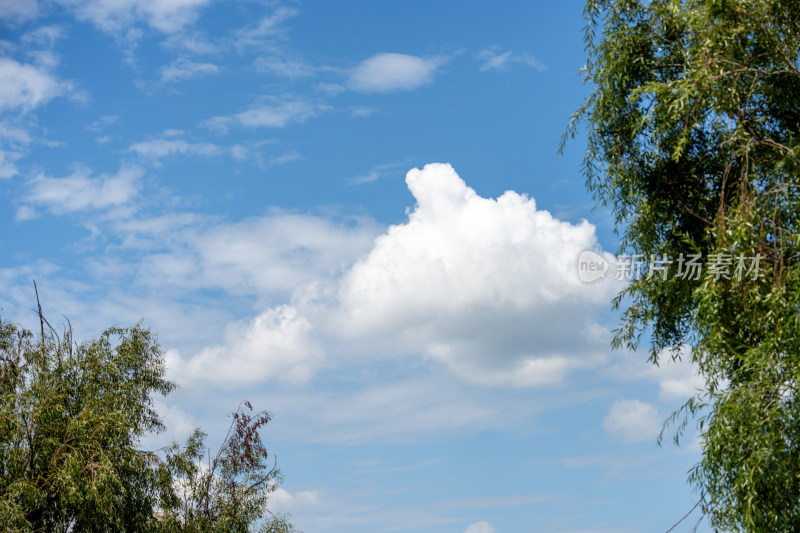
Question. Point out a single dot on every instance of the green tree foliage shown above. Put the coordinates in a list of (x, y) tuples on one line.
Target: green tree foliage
[(229, 491), (71, 421), (693, 130)]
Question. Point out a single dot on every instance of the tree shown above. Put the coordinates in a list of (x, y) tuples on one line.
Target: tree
[(229, 491), (71, 420), (693, 129)]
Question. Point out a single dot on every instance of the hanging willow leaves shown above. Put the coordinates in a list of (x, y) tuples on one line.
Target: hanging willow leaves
[(693, 142)]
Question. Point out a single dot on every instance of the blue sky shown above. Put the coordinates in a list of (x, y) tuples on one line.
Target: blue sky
[(353, 215)]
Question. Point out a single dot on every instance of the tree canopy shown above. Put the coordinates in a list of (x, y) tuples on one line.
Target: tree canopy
[(693, 141), (72, 417)]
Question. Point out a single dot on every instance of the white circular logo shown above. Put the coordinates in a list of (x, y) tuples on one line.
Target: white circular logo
[(591, 266)]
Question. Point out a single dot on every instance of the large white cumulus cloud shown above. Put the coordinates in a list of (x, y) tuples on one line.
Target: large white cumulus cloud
[(487, 286)]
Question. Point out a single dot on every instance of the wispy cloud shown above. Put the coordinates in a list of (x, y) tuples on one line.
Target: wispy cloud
[(8, 168), (393, 72), (18, 11), (191, 41), (493, 58), (158, 148), (276, 112), (80, 192), (285, 68), (360, 111), (288, 157), (378, 172), (167, 16), (14, 141), (182, 69), (266, 29), (330, 89), (24, 87)]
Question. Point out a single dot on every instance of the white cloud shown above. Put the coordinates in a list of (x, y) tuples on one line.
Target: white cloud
[(282, 159), (632, 421), (375, 173), (258, 257), (191, 42), (24, 213), (485, 289), (282, 501), (284, 68), (331, 89), (43, 36), (183, 69), (488, 287), (7, 167), (179, 424), (99, 125), (358, 111), (277, 344), (277, 252), (16, 136), (393, 72), (239, 152), (267, 28), (481, 527), (494, 58), (80, 192), (25, 86), (116, 16), (277, 113), (18, 11), (678, 379), (158, 148)]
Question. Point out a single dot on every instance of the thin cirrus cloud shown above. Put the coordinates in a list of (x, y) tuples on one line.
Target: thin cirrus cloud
[(393, 72), (80, 192), (285, 68), (267, 28), (166, 16), (284, 158), (494, 58), (183, 69), (275, 112), (265, 255), (399, 411), (159, 148), (375, 173), (18, 11)]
